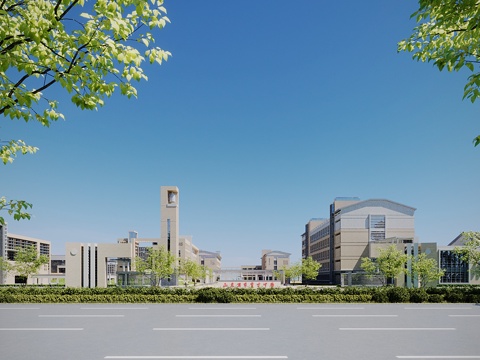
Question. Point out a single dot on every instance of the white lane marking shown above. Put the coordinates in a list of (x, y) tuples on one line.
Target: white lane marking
[(18, 308), (196, 357), (211, 329), (343, 315), (81, 316), (226, 315), (330, 308), (399, 329), (114, 308), (437, 308), (41, 329), (464, 315), (439, 357), (222, 308)]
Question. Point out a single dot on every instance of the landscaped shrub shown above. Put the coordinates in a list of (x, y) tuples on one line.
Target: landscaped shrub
[(380, 295), (418, 295), (435, 298), (46, 294), (398, 294), (214, 295)]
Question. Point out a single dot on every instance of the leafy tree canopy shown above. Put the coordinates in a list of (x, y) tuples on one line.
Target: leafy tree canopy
[(307, 267), (89, 53), (191, 269), (448, 35), (390, 263), (310, 268), (89, 48), (426, 269)]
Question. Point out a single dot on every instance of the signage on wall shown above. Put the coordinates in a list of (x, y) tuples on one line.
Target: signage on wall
[(249, 284)]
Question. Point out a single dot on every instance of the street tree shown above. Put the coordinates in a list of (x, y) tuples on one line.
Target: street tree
[(307, 268), (448, 35), (426, 269), (470, 251), (289, 273), (159, 264), (88, 48), (310, 268), (390, 263), (191, 270)]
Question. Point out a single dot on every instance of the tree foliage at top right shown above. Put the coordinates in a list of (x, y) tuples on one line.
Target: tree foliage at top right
[(448, 34)]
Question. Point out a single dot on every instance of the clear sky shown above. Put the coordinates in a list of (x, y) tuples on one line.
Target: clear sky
[(265, 113)]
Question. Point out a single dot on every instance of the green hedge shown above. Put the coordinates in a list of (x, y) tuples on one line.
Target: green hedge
[(44, 294)]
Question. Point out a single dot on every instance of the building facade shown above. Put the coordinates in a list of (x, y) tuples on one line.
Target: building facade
[(275, 260), (339, 242), (10, 244), (92, 264)]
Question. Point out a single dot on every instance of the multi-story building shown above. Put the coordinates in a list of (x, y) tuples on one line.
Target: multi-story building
[(275, 260), (211, 260), (316, 244), (9, 245), (89, 265), (339, 243)]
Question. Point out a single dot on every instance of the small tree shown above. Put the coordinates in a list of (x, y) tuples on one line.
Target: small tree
[(191, 269), (390, 263), (159, 264), (370, 266), (293, 271), (470, 251), (310, 268), (426, 269)]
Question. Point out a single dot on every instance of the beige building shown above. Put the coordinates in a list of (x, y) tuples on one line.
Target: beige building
[(91, 264), (275, 260), (211, 260), (339, 242), (9, 245)]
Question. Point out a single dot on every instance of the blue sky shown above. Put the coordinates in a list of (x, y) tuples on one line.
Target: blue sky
[(265, 113)]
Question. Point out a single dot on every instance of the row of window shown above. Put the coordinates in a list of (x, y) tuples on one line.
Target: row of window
[(319, 245), (324, 255), (320, 234)]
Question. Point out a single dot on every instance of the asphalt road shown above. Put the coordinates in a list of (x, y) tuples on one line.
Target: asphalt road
[(239, 331)]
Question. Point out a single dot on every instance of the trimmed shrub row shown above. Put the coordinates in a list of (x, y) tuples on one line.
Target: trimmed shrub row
[(39, 294)]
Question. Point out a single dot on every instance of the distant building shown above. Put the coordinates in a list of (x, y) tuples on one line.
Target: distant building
[(275, 260), (57, 264), (271, 261), (211, 260)]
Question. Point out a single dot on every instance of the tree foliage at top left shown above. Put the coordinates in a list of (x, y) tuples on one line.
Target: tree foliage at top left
[(89, 48)]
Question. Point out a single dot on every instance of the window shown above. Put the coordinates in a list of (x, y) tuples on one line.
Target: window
[(377, 227), (377, 221), (377, 235), (456, 270), (168, 235)]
